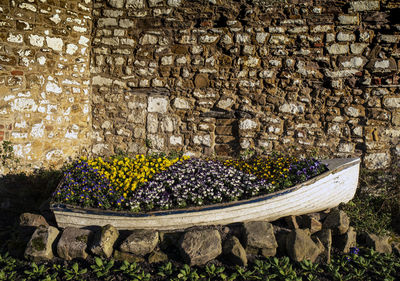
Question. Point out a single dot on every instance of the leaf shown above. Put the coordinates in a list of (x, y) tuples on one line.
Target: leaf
[(75, 267), (98, 261)]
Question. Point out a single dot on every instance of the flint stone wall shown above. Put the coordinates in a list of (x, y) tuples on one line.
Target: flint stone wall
[(225, 76), (205, 77)]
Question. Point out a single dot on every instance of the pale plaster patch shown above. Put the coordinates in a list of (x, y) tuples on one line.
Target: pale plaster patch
[(56, 153), (73, 133), (36, 40), (53, 87), (37, 130), (79, 29), (9, 97), (27, 6), (56, 19), (15, 38), (175, 140), (21, 150), (41, 60), (71, 49), (55, 43), (23, 104), (83, 41), (21, 124), (17, 135)]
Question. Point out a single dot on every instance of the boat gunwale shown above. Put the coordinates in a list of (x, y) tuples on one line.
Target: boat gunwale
[(60, 207)]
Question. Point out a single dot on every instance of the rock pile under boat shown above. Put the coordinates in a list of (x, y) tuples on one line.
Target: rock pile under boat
[(311, 236)]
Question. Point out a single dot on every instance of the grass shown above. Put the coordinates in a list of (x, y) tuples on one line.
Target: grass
[(375, 208)]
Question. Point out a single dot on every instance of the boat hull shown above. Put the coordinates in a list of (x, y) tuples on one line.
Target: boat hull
[(328, 190)]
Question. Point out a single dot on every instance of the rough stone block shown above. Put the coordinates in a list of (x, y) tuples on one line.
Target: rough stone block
[(338, 49), (39, 247), (101, 81), (174, 3), (259, 235), (300, 246), (278, 39), (148, 39), (135, 4), (391, 102), (298, 29), (104, 240), (349, 19), (157, 104), (126, 23), (156, 142), (202, 140), (387, 38), (208, 39), (140, 242), (346, 241), (380, 160), (311, 223), (181, 103), (157, 256), (122, 256), (338, 221), (354, 62), (106, 22), (155, 3), (292, 108), (355, 111), (28, 219), (234, 251), (321, 28), (345, 37), (378, 243), (247, 124), (341, 73), (73, 243), (325, 236), (364, 6), (200, 246)]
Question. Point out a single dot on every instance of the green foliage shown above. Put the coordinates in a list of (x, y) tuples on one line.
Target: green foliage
[(188, 273), (247, 154), (377, 202), (7, 265), (165, 270), (38, 272), (133, 271), (213, 272), (7, 157), (148, 143), (102, 268), (74, 273), (366, 264)]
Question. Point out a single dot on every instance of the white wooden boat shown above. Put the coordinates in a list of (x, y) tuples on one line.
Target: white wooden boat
[(325, 191)]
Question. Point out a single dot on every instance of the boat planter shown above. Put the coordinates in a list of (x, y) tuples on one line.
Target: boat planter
[(325, 191)]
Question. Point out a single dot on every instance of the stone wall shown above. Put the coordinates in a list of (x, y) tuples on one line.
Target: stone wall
[(219, 77), (45, 79), (204, 76)]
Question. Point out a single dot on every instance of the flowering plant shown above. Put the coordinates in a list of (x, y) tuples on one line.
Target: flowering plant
[(151, 182)]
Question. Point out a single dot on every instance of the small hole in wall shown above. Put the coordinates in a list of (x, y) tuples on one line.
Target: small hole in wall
[(360, 147), (221, 21), (394, 17)]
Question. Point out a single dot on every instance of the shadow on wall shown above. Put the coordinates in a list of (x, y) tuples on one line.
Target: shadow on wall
[(21, 193)]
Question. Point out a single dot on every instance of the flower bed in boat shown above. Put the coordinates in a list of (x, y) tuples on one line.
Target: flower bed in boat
[(148, 183)]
